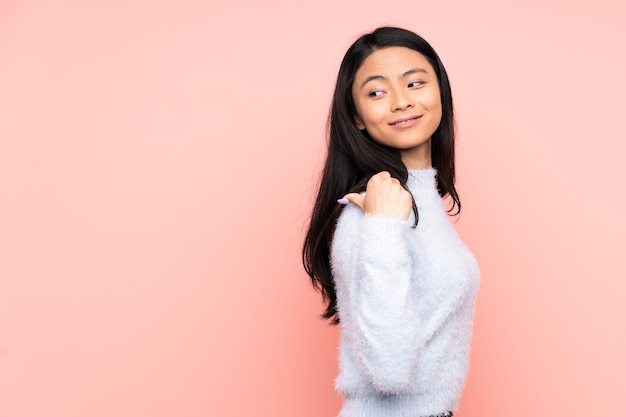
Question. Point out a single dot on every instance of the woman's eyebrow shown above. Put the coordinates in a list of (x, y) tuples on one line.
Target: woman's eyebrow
[(371, 78), (404, 74), (414, 71)]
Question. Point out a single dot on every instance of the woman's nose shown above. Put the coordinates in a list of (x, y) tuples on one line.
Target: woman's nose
[(402, 102)]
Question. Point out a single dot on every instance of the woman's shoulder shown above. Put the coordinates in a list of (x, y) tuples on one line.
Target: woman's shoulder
[(348, 221), (350, 212), (352, 223)]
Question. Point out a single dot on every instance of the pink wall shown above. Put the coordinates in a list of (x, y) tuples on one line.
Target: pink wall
[(156, 171)]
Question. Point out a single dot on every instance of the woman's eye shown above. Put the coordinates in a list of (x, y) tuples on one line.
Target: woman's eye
[(415, 84), (376, 93)]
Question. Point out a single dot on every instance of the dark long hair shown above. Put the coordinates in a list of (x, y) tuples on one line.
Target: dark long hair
[(353, 156)]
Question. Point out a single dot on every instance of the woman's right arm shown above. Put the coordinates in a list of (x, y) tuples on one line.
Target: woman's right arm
[(372, 268)]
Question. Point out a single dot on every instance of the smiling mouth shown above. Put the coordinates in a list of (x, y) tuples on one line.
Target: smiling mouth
[(405, 121)]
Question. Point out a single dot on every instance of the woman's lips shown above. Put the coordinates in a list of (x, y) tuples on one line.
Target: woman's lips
[(405, 122)]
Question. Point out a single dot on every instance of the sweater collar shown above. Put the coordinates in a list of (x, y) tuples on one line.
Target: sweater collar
[(422, 180)]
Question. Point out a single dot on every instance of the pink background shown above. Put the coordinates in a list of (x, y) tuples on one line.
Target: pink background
[(157, 161)]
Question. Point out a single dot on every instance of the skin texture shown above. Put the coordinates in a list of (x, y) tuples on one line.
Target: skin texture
[(396, 84)]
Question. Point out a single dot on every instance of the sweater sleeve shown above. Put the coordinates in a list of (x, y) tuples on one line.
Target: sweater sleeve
[(372, 269)]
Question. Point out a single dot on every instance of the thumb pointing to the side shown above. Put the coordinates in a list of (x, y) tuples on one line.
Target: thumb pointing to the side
[(354, 198)]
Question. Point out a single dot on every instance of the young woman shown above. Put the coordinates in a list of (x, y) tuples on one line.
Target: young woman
[(389, 264)]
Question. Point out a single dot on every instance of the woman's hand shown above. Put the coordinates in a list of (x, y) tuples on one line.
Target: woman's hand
[(384, 196)]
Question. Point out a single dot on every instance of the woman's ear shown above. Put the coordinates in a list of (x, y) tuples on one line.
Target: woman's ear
[(359, 122)]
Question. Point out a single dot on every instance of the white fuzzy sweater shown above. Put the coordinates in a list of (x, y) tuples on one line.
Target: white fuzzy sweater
[(405, 299)]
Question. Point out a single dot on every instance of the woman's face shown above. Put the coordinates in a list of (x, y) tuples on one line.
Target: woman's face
[(398, 103)]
